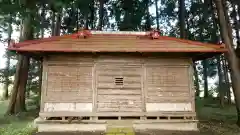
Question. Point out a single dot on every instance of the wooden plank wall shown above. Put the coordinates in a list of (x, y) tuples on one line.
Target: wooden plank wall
[(119, 85), (88, 84), (69, 84), (167, 86)]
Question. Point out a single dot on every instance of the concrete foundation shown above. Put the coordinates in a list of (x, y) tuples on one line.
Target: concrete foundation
[(137, 125), (166, 126), (45, 126), (71, 127)]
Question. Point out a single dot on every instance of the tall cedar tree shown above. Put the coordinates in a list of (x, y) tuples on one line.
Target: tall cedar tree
[(101, 15), (231, 56), (17, 100), (157, 14), (204, 62), (182, 18), (218, 58), (7, 81)]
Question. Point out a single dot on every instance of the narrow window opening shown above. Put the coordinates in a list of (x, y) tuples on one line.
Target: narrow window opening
[(119, 81)]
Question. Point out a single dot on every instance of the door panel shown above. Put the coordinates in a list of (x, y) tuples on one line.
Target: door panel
[(119, 87)]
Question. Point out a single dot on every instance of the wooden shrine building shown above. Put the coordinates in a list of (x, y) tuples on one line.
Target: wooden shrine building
[(102, 75)]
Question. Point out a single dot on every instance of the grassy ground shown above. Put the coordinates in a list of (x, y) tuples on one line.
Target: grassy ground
[(213, 121), (15, 125)]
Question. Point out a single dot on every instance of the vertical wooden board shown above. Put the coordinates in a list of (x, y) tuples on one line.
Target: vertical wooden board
[(94, 94), (133, 69), (130, 73), (191, 88), (74, 77), (143, 90), (166, 81), (44, 84)]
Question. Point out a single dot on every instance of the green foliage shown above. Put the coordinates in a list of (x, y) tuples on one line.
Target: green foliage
[(168, 10), (10, 130), (133, 12), (20, 125), (6, 6), (211, 67), (127, 15)]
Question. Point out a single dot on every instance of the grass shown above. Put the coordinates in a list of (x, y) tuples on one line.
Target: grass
[(15, 125), (214, 120)]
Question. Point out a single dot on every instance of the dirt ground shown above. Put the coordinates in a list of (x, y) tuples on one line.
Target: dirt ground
[(137, 133), (207, 128), (159, 132), (147, 132), (72, 133)]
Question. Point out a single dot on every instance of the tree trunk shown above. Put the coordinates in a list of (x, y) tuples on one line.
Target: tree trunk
[(226, 78), (157, 14), (236, 25), (40, 80), (205, 78), (224, 63), (231, 56), (17, 102), (20, 106), (182, 18), (220, 81), (147, 17), (92, 14), (196, 80), (86, 18), (6, 85), (21, 29), (58, 23), (229, 27), (77, 19), (43, 13), (101, 15), (53, 23), (126, 24), (238, 11), (215, 40), (13, 98)]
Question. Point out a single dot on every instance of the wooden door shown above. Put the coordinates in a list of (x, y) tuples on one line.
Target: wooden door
[(119, 87)]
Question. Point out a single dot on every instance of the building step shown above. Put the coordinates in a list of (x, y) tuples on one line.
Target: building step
[(116, 127), (120, 131)]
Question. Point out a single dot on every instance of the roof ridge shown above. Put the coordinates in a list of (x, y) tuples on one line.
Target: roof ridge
[(87, 33)]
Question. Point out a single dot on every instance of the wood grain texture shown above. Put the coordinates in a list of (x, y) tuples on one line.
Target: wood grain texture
[(117, 83), (69, 79)]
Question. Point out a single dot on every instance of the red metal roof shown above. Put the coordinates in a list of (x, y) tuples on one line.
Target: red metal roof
[(104, 41)]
